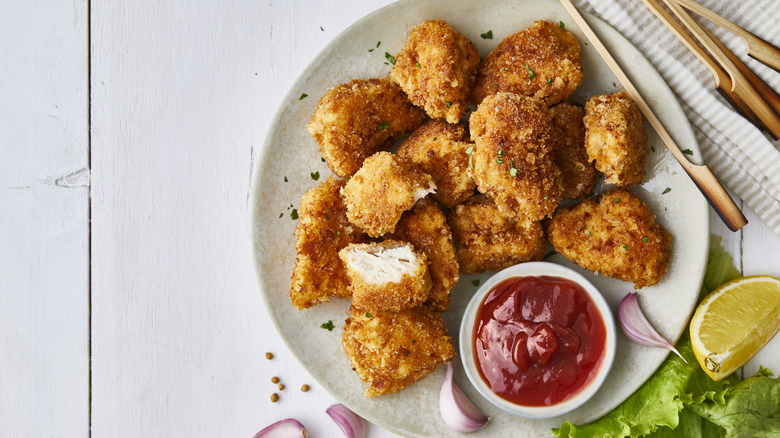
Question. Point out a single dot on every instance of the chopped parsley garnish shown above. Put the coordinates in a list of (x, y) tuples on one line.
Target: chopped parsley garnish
[(487, 35), (579, 167), (378, 43), (285, 179), (471, 162), (323, 160), (652, 148), (370, 50), (327, 326), (315, 175), (406, 352), (390, 58), (549, 254), (413, 341), (561, 25), (583, 228), (448, 103), (688, 152), (625, 247), (617, 200), (531, 73), (294, 214), (506, 68), (455, 243), (500, 161), (667, 190), (280, 215), (368, 315), (434, 138), (417, 64), (470, 149), (495, 85), (512, 170), (475, 282), (644, 239), (384, 125), (500, 153), (303, 96), (549, 81), (546, 196), (322, 29)]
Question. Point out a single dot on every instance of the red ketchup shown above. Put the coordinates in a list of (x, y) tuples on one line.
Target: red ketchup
[(538, 340)]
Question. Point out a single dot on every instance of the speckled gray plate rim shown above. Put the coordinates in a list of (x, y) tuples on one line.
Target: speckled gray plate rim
[(290, 154)]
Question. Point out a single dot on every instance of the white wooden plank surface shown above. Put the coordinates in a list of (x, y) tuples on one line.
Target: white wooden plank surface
[(44, 260)]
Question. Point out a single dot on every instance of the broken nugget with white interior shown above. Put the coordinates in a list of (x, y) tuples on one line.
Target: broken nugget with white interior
[(437, 68), (578, 174), (392, 350), (389, 275), (322, 231), (384, 187), (356, 119)]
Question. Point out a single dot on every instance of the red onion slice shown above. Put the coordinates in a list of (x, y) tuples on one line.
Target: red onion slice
[(636, 326), (353, 425), (289, 428), (457, 411)]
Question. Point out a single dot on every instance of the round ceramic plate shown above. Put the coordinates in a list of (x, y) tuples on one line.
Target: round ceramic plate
[(290, 156)]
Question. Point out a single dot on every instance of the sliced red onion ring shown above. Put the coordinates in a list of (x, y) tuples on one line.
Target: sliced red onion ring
[(289, 428), (352, 424), (636, 326), (457, 411)]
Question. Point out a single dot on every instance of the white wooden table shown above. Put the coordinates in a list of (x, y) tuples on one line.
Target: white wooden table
[(128, 132)]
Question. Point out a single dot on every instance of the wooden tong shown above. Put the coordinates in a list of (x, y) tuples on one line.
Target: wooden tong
[(750, 95), (704, 179)]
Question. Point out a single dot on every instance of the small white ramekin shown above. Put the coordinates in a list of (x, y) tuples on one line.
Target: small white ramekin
[(467, 339)]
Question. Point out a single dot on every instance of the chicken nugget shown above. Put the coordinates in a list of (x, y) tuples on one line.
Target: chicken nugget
[(437, 68), (383, 188), (512, 158), (615, 235), (615, 138), (392, 350), (542, 61), (439, 149), (389, 275), (323, 230), (488, 241), (578, 174), (425, 227), (356, 119)]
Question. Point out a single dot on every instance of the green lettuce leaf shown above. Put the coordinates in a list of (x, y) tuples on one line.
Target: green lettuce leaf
[(681, 400)]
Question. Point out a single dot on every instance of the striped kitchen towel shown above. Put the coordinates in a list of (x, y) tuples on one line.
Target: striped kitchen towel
[(742, 158)]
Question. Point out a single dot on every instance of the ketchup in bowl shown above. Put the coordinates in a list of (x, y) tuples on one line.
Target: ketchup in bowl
[(538, 340)]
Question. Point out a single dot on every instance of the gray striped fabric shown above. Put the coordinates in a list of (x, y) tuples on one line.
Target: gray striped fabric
[(742, 157)]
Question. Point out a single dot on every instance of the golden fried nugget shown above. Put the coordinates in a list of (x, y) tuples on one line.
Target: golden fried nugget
[(488, 241), (392, 350), (425, 227), (615, 138), (389, 275), (383, 188), (356, 119), (578, 174), (439, 149), (615, 235), (437, 68), (512, 159), (542, 61), (323, 230)]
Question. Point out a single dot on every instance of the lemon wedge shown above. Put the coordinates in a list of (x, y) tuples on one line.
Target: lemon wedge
[(733, 322)]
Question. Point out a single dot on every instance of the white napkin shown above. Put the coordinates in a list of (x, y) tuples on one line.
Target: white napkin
[(742, 157)]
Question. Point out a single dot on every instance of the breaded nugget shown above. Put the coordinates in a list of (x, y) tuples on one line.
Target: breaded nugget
[(384, 188), (389, 275), (615, 138), (323, 230), (425, 227), (437, 68), (578, 175), (439, 149), (392, 350), (615, 235), (512, 158), (356, 119), (488, 241), (542, 61)]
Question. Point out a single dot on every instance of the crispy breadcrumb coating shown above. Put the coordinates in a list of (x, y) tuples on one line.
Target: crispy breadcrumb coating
[(356, 119), (542, 61), (439, 149), (323, 230), (615, 235), (578, 175), (383, 188), (488, 241), (425, 227), (392, 350), (389, 275), (512, 159), (437, 68), (615, 138)]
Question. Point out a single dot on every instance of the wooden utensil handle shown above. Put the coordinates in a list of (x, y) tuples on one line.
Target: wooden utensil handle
[(717, 196)]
